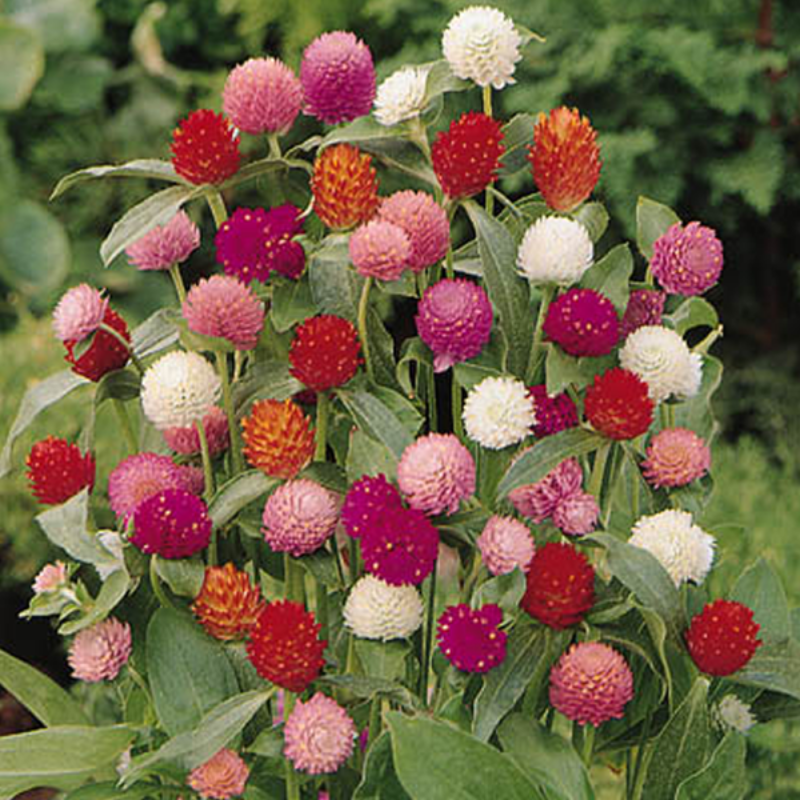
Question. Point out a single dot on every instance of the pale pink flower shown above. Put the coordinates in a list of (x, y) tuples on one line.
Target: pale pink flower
[(100, 652), (79, 313), (224, 775), (539, 500), (165, 245), (50, 578), (576, 514), (505, 543)]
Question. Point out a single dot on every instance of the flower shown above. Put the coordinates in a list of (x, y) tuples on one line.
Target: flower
[(367, 500), (224, 775), (338, 77), (661, 358), (50, 578), (186, 441), (722, 637), (618, 405), (454, 318), (555, 250), (325, 352), (591, 683), (173, 524), (106, 352), (470, 639), (205, 148), (466, 157), (278, 438), (498, 412), (376, 610), (253, 242), (319, 735), (560, 586), (583, 322), (224, 307), (345, 186), (565, 158), (675, 457), (298, 517), (228, 604), (435, 473), (165, 245), (733, 713), (685, 551), (481, 44), (401, 96), (284, 646), (554, 413), (645, 307), (179, 389), (687, 260), (424, 222), (194, 477), (140, 476), (380, 250), (79, 313), (57, 470), (262, 95), (539, 500), (98, 653), (576, 515), (505, 544)]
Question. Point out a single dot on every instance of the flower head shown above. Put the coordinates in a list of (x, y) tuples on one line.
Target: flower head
[(380, 250), (79, 313), (722, 637), (319, 735), (50, 578), (591, 683), (57, 470), (205, 148), (470, 639), (498, 412), (401, 96), (618, 404), (576, 515), (675, 457), (262, 95), (481, 44), (553, 413), (284, 646), (687, 260), (733, 713), (377, 610), (583, 322), (173, 524), (466, 157), (565, 158), (106, 352), (228, 604), (165, 245), (505, 544), (539, 500), (555, 250), (223, 776), (454, 318), (140, 476), (366, 501), (100, 652), (186, 441), (278, 438), (645, 307), (325, 352)]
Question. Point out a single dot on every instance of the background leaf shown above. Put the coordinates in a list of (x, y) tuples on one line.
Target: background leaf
[(21, 64)]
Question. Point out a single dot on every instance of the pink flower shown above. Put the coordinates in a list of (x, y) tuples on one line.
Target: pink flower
[(50, 578), (100, 652), (165, 245), (140, 476), (583, 323), (687, 260), (645, 307), (79, 313), (194, 477), (505, 543), (186, 441), (539, 500), (470, 639), (675, 457), (576, 514), (380, 250), (553, 414), (366, 501), (173, 524), (224, 775)]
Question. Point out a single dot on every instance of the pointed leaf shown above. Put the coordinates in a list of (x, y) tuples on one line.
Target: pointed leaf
[(139, 168), (724, 777), (775, 666), (760, 589), (266, 380), (237, 493), (611, 275), (376, 418), (517, 138), (111, 594), (694, 312), (156, 333), (652, 220), (291, 303), (384, 660), (379, 781), (594, 217)]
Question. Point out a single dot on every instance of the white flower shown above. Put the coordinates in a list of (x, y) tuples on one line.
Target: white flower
[(499, 412), (179, 389), (684, 550), (482, 44), (376, 610), (731, 712), (661, 358), (401, 96), (555, 250)]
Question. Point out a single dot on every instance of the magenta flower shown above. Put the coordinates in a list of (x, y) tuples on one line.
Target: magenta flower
[(367, 500), (645, 307), (100, 652), (380, 250), (687, 260), (553, 414), (173, 524), (79, 313), (505, 543), (539, 500), (675, 457), (576, 514), (139, 477), (470, 639), (223, 776), (165, 245), (186, 441), (583, 323)]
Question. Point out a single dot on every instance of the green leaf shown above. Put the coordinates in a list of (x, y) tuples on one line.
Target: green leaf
[(503, 590), (365, 456), (256, 169), (237, 493), (760, 589), (441, 80), (291, 302), (694, 312), (184, 576), (384, 660), (376, 418), (21, 64), (775, 666), (611, 275), (109, 790), (367, 688), (697, 413), (122, 384), (321, 565), (416, 352), (362, 132), (139, 168), (113, 590), (187, 669), (266, 380), (517, 137), (594, 217), (335, 285), (379, 781), (156, 333), (326, 474), (561, 369), (724, 777), (652, 220)]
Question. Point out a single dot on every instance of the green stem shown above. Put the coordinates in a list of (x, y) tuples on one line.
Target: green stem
[(353, 553), (208, 472), (637, 764), (274, 146), (531, 698), (428, 641), (321, 597), (487, 109), (419, 136), (125, 343), (292, 782), (458, 397), (217, 206), (321, 431), (703, 347), (374, 720), (337, 557), (177, 279), (294, 580), (671, 415), (363, 307), (429, 376), (448, 263), (588, 744), (155, 583), (533, 364), (125, 424), (595, 485), (227, 401)]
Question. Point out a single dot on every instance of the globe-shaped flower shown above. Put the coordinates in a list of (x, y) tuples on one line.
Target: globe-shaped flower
[(481, 44), (262, 95), (675, 457), (179, 389), (325, 352), (734, 714), (583, 322), (172, 524), (555, 250), (319, 735), (140, 476), (165, 245), (435, 473), (401, 96), (338, 77), (687, 260), (591, 683), (50, 578), (498, 412), (470, 639), (454, 318), (377, 610), (662, 359), (565, 158), (366, 501), (553, 413), (505, 543), (186, 441), (106, 352), (57, 470), (685, 551), (618, 404), (205, 148), (79, 313), (645, 307), (380, 250), (228, 604), (576, 515), (539, 500), (100, 652), (722, 638), (223, 776)]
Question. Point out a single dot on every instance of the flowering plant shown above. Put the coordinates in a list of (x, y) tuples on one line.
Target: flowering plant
[(336, 560)]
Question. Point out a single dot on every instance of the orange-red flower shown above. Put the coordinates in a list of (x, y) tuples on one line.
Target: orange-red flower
[(228, 604), (324, 352), (205, 148)]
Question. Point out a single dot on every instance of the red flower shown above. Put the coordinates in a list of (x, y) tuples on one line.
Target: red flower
[(284, 646), (105, 353), (466, 157), (58, 471), (205, 148), (722, 638), (618, 405), (565, 158), (324, 352), (560, 586)]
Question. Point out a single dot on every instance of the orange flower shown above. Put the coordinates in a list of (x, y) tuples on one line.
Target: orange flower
[(565, 158), (277, 438), (228, 604), (345, 187)]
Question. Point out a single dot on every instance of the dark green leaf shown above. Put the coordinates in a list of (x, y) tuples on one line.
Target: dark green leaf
[(367, 688), (517, 138), (321, 565), (122, 384), (139, 168), (335, 285), (376, 418), (724, 777), (238, 493), (384, 660), (110, 790), (266, 380), (503, 590), (331, 476), (760, 589), (416, 352), (380, 781), (696, 413), (652, 220)]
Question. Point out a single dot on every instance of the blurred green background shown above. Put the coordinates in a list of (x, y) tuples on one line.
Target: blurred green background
[(697, 105)]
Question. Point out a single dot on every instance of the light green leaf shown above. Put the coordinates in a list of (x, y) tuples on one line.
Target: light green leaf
[(237, 493), (384, 660), (441, 80), (326, 474), (696, 413), (416, 352), (594, 217), (139, 168), (156, 333), (503, 590), (111, 594), (694, 312), (21, 64), (760, 589), (517, 137), (110, 790), (266, 380), (365, 456), (184, 576), (611, 275), (362, 131), (367, 688), (775, 666), (724, 777), (652, 220), (561, 369), (291, 302), (335, 285)]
